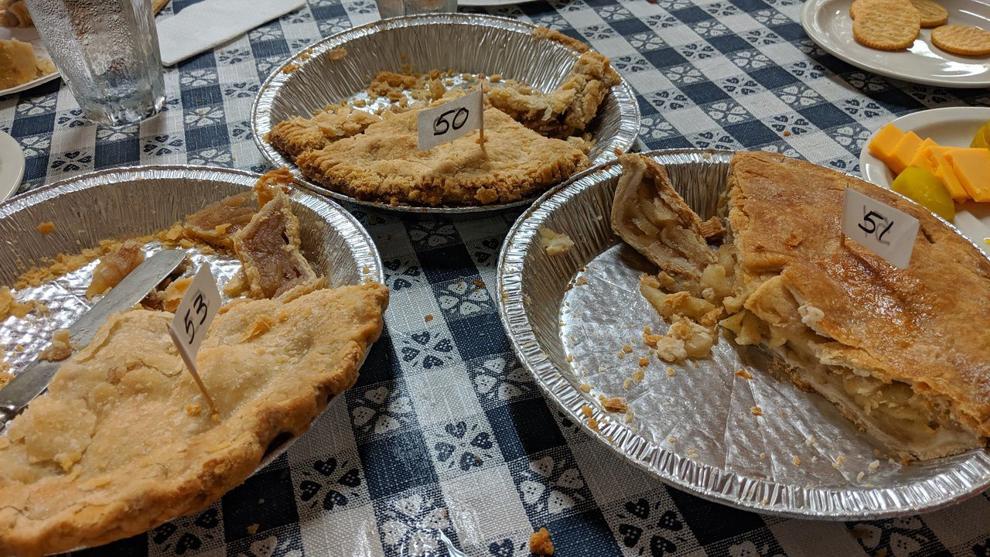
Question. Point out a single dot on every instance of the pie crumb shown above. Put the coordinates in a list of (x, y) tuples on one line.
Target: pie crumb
[(555, 243), (644, 361), (671, 371), (428, 318), (627, 383), (581, 281), (46, 227), (615, 404), (671, 439), (627, 348), (593, 424), (586, 410), (839, 461), (756, 411), (478, 283), (638, 375), (60, 348), (745, 374), (253, 529), (692, 452), (629, 416), (763, 456), (289, 68), (584, 387), (859, 477), (872, 467), (193, 410), (796, 460), (540, 542)]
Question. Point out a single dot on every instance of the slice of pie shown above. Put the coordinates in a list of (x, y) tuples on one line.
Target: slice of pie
[(297, 135), (568, 109), (902, 353), (385, 164), (123, 440)]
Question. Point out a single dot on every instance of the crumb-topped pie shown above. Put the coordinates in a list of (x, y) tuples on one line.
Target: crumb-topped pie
[(903, 353), (123, 440)]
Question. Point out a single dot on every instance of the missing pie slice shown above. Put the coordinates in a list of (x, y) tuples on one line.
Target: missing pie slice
[(905, 354)]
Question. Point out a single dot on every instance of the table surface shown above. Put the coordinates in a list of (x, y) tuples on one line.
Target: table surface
[(445, 433)]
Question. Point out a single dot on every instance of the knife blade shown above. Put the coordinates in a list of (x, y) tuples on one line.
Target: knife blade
[(33, 381)]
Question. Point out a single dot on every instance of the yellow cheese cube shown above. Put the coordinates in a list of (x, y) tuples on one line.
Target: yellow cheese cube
[(923, 157), (906, 147), (947, 174), (884, 142), (972, 167)]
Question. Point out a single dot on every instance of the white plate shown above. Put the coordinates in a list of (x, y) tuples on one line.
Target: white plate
[(11, 166), (953, 126), (28, 35), (827, 22)]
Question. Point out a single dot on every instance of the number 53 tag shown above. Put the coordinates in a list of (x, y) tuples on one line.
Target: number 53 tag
[(886, 231), (450, 120), (192, 319)]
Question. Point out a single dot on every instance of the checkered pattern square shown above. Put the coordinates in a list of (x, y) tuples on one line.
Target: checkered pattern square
[(445, 432)]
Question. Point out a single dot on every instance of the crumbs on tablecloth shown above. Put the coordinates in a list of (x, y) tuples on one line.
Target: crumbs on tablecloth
[(671, 371), (795, 460), (614, 404), (756, 411), (540, 542), (644, 361), (581, 281), (428, 318), (839, 461)]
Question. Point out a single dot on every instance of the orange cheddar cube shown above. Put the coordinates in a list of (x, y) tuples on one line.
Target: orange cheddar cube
[(947, 174), (904, 152), (972, 167), (923, 157), (884, 143)]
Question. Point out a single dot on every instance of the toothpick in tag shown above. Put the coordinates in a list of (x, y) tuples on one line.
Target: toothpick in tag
[(886, 231), (449, 121), (192, 319)]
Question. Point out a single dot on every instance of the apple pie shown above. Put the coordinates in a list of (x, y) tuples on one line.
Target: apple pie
[(901, 353)]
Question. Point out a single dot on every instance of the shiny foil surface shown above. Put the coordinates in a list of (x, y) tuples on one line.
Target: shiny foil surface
[(466, 43), (128, 202), (692, 425)]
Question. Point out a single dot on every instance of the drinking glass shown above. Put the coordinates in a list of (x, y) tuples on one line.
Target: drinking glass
[(395, 8), (107, 52)]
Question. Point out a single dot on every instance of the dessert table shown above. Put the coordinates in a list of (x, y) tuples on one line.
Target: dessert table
[(445, 439)]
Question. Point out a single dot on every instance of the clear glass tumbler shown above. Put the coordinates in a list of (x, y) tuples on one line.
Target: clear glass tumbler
[(395, 8), (107, 52)]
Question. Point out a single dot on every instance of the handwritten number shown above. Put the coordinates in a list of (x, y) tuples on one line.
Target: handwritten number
[(873, 219), (190, 327), (456, 122), (201, 308)]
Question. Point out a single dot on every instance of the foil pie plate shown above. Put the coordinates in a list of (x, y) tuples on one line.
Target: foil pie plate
[(469, 43), (137, 201), (692, 425)]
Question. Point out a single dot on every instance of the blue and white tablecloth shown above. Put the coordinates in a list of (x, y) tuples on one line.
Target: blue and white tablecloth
[(445, 432)]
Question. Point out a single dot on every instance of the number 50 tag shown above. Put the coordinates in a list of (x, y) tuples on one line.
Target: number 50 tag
[(450, 120), (886, 231), (192, 319)]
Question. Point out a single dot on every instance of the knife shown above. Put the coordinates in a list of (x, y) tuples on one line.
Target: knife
[(33, 381)]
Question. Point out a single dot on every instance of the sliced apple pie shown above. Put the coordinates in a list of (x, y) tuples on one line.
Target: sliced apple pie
[(902, 353)]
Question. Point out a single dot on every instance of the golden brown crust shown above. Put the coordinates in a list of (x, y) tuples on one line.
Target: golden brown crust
[(272, 383), (296, 135), (923, 325), (384, 164), (558, 37)]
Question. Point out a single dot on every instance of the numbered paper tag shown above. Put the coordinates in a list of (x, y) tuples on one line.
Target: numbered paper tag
[(450, 121), (886, 231), (198, 308)]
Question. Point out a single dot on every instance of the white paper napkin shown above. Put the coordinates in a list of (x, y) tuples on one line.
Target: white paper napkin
[(211, 23)]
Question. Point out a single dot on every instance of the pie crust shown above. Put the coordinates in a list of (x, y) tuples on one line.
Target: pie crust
[(112, 450)]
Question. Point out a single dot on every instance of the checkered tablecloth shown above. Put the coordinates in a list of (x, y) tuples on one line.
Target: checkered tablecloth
[(445, 435)]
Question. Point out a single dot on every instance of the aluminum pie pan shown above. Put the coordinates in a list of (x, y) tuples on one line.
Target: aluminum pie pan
[(423, 41), (545, 315), (135, 201)]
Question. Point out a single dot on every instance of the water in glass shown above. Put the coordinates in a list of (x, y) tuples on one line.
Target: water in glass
[(107, 52)]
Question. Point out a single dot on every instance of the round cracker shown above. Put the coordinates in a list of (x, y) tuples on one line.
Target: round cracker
[(932, 13), (857, 5), (886, 25), (964, 40)]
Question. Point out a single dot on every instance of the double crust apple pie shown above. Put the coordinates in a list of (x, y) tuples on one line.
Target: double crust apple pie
[(123, 439), (532, 139), (902, 353)]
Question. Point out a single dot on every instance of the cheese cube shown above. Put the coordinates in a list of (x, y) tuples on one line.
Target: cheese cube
[(972, 167), (923, 157), (947, 174), (906, 147), (884, 142)]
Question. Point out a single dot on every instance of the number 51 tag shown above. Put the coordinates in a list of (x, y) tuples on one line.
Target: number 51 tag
[(192, 319), (886, 231), (450, 120)]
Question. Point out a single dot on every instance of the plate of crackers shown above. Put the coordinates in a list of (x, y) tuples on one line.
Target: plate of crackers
[(944, 43)]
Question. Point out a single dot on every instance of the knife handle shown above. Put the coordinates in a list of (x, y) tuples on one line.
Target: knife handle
[(7, 413)]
